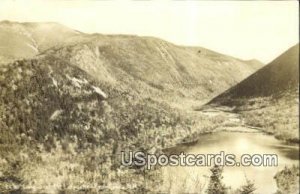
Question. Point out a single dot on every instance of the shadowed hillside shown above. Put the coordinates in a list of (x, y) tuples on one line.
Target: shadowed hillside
[(269, 98), (281, 75)]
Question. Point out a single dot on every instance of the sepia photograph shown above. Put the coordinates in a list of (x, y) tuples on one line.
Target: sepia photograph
[(149, 97)]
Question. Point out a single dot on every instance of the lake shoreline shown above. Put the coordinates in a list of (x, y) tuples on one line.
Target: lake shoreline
[(232, 130)]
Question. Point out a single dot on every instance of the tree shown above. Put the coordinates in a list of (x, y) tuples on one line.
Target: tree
[(248, 188), (287, 180), (215, 184)]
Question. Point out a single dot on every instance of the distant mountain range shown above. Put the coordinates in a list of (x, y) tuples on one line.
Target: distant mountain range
[(144, 65), (70, 101), (56, 81), (26, 40)]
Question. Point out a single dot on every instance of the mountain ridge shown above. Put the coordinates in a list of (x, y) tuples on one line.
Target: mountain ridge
[(277, 76), (269, 98), (70, 107)]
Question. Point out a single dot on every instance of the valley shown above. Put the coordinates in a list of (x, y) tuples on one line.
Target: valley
[(69, 105)]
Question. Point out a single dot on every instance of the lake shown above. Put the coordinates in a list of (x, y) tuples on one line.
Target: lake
[(194, 178)]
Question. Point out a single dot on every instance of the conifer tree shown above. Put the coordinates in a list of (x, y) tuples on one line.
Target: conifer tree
[(215, 184)]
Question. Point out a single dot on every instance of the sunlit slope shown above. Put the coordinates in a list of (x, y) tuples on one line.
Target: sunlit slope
[(145, 65), (25, 40), (155, 67)]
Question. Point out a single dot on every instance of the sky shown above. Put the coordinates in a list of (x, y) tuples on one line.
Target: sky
[(244, 29)]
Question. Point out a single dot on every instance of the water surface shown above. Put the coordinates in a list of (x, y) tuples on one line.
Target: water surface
[(195, 179)]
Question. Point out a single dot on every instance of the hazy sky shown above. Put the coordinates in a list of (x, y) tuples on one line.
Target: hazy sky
[(251, 29)]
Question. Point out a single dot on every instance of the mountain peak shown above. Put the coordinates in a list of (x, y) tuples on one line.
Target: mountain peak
[(30, 23), (281, 75)]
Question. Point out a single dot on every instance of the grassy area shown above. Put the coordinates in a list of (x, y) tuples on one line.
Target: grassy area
[(278, 116)]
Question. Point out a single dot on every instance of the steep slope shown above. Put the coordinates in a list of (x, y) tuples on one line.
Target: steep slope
[(254, 63), (77, 99), (47, 97), (281, 75), (47, 104), (269, 98), (143, 64), (153, 67), (25, 40), (63, 129)]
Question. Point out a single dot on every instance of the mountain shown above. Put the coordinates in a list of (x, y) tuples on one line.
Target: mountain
[(70, 102), (269, 97), (53, 111), (281, 75), (256, 64), (145, 65), (63, 129), (152, 66), (25, 40)]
